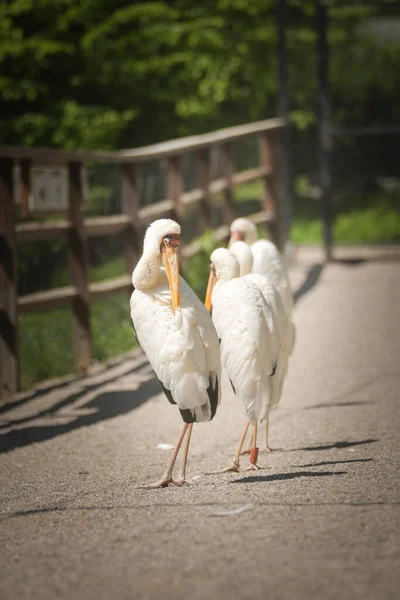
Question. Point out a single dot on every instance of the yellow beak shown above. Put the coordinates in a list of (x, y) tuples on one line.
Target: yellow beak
[(171, 265), (211, 282)]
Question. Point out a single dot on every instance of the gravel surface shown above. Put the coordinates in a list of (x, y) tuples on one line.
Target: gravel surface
[(320, 520)]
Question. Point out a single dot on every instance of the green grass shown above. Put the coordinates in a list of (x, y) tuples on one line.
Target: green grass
[(45, 340), (46, 345), (113, 267), (367, 226), (377, 222)]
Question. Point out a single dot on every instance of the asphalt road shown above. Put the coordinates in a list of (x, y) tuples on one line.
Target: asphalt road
[(322, 516)]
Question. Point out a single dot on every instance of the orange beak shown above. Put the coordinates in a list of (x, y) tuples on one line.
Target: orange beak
[(171, 265), (211, 282)]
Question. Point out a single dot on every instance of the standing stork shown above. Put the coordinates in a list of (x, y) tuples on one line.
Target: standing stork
[(278, 321), (267, 261), (177, 334), (249, 348)]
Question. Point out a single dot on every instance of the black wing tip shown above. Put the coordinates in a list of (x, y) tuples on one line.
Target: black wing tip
[(213, 395), (188, 415)]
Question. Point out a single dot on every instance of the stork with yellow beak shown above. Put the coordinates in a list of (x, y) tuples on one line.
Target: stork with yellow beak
[(177, 334), (249, 346)]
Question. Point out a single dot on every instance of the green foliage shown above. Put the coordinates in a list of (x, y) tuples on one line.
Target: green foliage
[(108, 73), (45, 346), (197, 268), (111, 326), (46, 338)]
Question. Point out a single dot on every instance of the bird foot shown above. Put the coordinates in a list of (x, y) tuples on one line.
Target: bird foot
[(161, 483), (266, 449), (180, 481), (233, 467), (252, 467)]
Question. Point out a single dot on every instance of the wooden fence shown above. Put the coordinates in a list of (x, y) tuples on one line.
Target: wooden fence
[(130, 223)]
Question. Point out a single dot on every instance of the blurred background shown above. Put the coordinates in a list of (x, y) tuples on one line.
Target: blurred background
[(111, 74)]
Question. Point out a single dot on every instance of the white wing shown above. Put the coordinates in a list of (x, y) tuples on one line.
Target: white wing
[(283, 327), (240, 315), (268, 261), (182, 347)]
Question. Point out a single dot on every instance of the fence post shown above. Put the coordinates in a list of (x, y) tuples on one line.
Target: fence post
[(130, 207), (324, 126), (8, 285), (78, 267), (204, 177), (228, 170), (285, 159), (175, 184), (26, 185), (267, 147)]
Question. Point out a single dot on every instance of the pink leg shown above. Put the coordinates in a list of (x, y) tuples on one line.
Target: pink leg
[(166, 479), (254, 452), (181, 480), (234, 466), (267, 448)]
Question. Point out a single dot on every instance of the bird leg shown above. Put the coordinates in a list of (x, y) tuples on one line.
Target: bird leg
[(249, 447), (254, 453), (181, 480), (267, 448), (166, 479), (234, 466)]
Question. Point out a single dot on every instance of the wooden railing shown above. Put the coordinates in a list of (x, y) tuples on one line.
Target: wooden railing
[(130, 223)]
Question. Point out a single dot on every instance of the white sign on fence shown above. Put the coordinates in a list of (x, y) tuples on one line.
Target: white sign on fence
[(49, 189)]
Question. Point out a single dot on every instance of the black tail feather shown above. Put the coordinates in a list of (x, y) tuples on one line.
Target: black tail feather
[(186, 414)]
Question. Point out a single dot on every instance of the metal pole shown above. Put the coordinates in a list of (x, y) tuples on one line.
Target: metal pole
[(324, 125), (285, 166)]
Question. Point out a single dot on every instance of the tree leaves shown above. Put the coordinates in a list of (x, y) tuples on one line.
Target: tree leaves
[(108, 73)]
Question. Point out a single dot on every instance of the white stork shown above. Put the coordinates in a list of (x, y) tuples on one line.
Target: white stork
[(278, 321), (249, 348), (177, 334)]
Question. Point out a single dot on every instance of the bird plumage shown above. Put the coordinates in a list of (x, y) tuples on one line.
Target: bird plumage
[(267, 261), (182, 346), (248, 348), (278, 322)]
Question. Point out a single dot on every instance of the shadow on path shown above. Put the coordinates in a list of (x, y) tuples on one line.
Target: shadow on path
[(52, 410), (72, 380), (328, 446), (105, 406), (336, 405), (313, 275), (287, 476), (314, 272), (336, 462)]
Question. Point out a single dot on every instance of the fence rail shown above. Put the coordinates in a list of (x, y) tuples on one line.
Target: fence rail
[(130, 223)]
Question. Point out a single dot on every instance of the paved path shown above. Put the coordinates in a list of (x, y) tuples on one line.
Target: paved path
[(323, 520)]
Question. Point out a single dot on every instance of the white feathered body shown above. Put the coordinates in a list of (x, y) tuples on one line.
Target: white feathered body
[(279, 322), (182, 346), (268, 261), (249, 349)]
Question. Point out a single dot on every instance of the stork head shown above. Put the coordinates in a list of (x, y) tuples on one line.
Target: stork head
[(224, 267), (162, 233), (243, 230), (163, 237), (244, 256)]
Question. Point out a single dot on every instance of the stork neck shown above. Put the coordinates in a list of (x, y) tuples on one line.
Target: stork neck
[(147, 270)]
